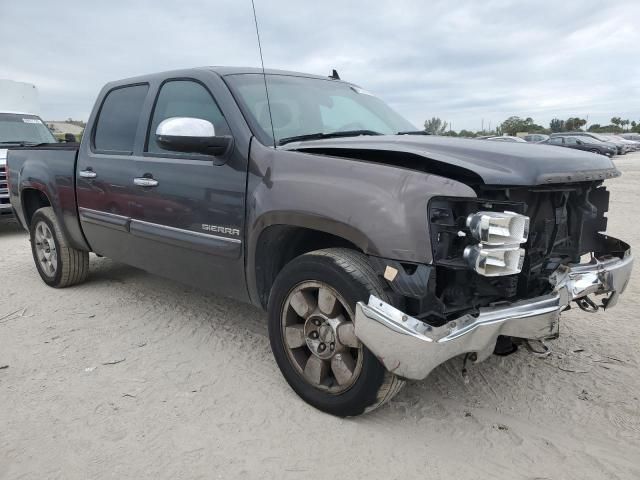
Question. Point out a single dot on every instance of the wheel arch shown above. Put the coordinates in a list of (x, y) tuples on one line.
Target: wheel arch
[(278, 244), (33, 199)]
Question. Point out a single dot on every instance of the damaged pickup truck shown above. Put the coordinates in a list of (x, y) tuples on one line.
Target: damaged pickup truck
[(378, 252)]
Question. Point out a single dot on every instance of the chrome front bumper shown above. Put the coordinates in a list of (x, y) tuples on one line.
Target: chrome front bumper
[(412, 349)]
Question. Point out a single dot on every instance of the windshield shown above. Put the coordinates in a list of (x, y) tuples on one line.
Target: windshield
[(29, 129), (306, 106), (602, 138)]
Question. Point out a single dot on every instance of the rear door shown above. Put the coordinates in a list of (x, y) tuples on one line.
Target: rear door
[(106, 168), (190, 207)]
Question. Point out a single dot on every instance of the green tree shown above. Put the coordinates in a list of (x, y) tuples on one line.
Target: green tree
[(466, 133), (557, 125), (574, 123), (435, 126), (514, 124), (616, 121)]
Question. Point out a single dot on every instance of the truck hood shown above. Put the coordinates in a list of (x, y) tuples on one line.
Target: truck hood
[(476, 161)]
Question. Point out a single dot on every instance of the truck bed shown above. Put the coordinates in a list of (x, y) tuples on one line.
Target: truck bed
[(49, 168)]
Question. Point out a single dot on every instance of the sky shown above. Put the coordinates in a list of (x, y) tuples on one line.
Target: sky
[(468, 62)]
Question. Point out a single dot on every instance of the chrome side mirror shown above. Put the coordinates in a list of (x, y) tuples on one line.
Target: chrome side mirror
[(191, 135)]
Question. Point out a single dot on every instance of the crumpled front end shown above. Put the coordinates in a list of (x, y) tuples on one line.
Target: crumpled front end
[(411, 348)]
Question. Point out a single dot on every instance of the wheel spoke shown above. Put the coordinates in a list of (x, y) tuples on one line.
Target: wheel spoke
[(39, 234), (343, 366), (303, 303), (347, 335), (316, 370), (294, 336), (327, 302)]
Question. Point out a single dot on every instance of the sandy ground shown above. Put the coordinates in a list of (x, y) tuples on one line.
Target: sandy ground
[(134, 376)]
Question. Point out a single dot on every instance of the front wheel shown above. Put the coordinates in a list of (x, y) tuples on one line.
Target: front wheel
[(58, 264), (311, 313)]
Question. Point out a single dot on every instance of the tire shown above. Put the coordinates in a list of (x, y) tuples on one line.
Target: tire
[(71, 265), (348, 276)]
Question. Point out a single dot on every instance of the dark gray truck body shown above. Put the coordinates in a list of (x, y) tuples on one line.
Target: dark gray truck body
[(230, 223)]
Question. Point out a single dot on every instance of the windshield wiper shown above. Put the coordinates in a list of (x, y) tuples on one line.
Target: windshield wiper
[(319, 135), (413, 132)]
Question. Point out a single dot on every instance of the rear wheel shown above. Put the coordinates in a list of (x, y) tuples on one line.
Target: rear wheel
[(58, 264), (311, 313)]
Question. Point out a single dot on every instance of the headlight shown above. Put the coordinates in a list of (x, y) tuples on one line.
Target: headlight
[(482, 235), (499, 228), (500, 235), (494, 261)]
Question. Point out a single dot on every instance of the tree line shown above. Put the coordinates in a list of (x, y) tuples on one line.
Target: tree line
[(515, 124)]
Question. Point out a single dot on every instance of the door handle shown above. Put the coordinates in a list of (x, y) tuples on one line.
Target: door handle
[(145, 182), (88, 173)]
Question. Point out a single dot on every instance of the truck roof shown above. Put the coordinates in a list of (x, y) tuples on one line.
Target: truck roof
[(220, 70)]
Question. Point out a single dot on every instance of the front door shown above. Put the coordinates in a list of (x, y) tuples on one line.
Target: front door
[(189, 208)]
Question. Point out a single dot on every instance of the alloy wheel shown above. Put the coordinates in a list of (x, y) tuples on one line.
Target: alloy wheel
[(46, 249), (318, 333)]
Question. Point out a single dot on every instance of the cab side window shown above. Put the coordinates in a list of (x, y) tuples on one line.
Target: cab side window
[(118, 120), (184, 98)]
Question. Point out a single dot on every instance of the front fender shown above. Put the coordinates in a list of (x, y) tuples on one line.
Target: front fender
[(380, 208)]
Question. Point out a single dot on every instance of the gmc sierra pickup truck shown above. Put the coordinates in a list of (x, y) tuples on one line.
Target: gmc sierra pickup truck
[(377, 251)]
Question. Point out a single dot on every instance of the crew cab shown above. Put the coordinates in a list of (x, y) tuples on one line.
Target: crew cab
[(378, 252)]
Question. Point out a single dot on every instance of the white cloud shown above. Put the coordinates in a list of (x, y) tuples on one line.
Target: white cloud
[(463, 61)]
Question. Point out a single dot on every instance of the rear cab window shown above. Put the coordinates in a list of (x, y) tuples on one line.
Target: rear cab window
[(118, 119)]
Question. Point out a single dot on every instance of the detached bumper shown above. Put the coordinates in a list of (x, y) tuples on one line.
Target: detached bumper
[(412, 349)]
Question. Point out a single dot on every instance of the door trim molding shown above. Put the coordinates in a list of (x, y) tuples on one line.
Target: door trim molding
[(104, 219), (203, 242), (179, 237)]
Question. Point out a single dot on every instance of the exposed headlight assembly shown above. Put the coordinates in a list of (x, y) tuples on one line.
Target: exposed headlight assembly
[(495, 261), (499, 228), (500, 235)]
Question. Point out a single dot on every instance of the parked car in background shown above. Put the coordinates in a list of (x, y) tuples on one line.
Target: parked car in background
[(17, 129), (631, 136), (536, 137), (583, 143), (621, 148), (507, 138), (630, 144)]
